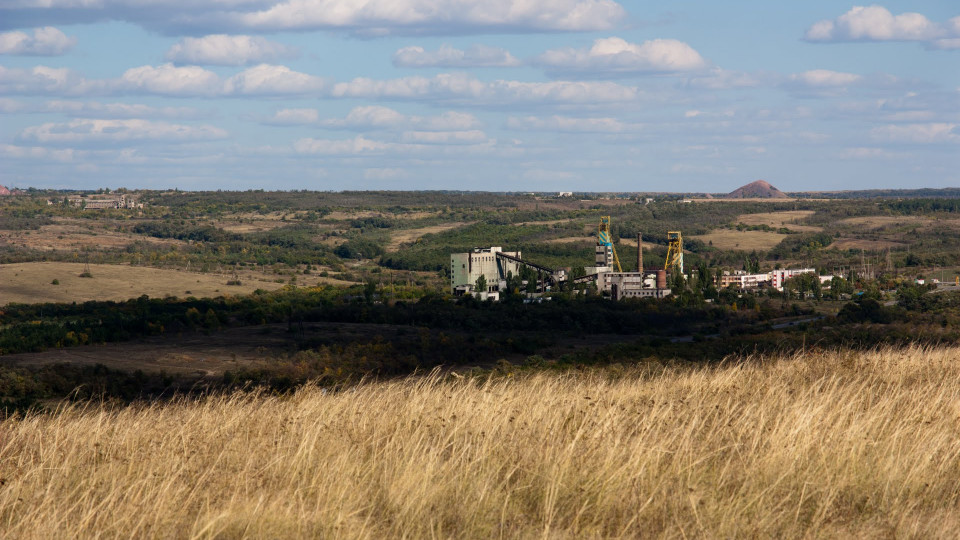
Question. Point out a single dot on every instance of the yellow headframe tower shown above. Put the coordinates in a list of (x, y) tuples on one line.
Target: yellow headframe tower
[(606, 253), (674, 251)]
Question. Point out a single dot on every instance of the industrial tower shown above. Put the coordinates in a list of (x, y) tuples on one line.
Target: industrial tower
[(606, 253), (674, 251)]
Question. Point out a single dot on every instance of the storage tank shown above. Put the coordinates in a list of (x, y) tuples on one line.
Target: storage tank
[(661, 279)]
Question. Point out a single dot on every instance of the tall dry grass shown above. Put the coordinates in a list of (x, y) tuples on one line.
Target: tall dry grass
[(820, 445)]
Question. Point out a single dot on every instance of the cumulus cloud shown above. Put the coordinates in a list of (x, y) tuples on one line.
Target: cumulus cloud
[(382, 17), (929, 133), (267, 79), (724, 79), (824, 78), (877, 23), (474, 136), (461, 87), (450, 57), (224, 50), (87, 131), (46, 41), (616, 56), (116, 110), (294, 117), (356, 146), (168, 79), (384, 118), (368, 18), (45, 80), (571, 125)]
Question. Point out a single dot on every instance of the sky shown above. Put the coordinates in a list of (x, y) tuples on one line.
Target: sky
[(489, 95)]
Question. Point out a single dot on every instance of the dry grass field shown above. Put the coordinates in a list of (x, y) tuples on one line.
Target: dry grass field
[(819, 445), (868, 245), (405, 236), (791, 219), (33, 283), (742, 240)]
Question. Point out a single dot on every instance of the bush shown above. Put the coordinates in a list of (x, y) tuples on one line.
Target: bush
[(55, 282)]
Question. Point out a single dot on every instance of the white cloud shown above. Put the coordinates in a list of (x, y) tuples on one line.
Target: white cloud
[(84, 131), (224, 50), (116, 110), (356, 146), (294, 117), (824, 78), (930, 133), (877, 23), (46, 41), (39, 153), (460, 87), (379, 117), (450, 57), (382, 17), (724, 79), (867, 152), (168, 79), (613, 56), (385, 173), (474, 136), (45, 80), (571, 125), (273, 80), (8, 105)]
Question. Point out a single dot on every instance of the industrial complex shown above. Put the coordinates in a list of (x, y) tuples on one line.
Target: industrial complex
[(492, 268), (485, 272)]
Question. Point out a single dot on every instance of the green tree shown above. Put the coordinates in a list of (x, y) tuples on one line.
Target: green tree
[(481, 284)]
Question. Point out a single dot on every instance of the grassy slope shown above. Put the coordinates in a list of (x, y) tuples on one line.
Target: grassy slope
[(828, 445)]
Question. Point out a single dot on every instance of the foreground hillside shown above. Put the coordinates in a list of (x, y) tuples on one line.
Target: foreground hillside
[(831, 444)]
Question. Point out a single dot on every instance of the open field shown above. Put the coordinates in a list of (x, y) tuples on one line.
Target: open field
[(68, 234), (868, 245), (816, 445), (32, 283), (741, 240), (790, 219), (405, 236), (876, 222)]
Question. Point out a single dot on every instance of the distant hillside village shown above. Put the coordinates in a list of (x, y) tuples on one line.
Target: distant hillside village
[(100, 202)]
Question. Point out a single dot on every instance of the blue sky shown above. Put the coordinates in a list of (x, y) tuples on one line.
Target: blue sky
[(522, 95)]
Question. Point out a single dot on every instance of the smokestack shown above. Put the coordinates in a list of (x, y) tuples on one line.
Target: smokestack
[(639, 253)]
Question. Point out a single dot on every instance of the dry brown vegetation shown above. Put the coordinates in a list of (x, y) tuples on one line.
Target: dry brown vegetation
[(33, 283), (817, 445), (405, 236), (791, 219), (742, 240)]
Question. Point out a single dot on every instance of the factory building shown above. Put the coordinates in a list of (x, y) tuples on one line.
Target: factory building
[(466, 269)]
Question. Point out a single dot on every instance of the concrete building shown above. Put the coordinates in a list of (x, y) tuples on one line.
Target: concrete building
[(632, 285), (777, 277), (466, 268), (743, 280)]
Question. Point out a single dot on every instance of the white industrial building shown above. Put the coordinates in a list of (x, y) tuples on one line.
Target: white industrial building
[(466, 269)]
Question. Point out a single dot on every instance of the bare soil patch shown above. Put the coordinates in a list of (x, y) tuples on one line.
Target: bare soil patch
[(791, 219), (742, 240)]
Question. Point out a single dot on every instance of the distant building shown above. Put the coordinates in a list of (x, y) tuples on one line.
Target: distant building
[(466, 269), (99, 203), (743, 280), (565, 194), (775, 279)]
